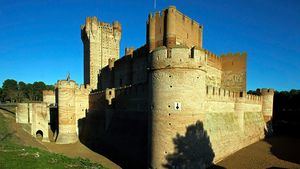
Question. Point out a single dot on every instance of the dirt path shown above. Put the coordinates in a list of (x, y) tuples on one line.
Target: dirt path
[(273, 153), (79, 150), (71, 150)]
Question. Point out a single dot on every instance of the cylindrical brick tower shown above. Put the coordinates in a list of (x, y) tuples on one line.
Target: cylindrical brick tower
[(176, 97), (267, 103), (66, 112)]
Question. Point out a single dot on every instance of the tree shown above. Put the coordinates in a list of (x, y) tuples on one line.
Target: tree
[(10, 90), (29, 91), (256, 92), (1, 95), (14, 91), (38, 88), (50, 87), (22, 91)]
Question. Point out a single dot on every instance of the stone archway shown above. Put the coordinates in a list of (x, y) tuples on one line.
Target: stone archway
[(39, 135)]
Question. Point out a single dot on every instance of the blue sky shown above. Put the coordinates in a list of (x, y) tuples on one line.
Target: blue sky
[(40, 39)]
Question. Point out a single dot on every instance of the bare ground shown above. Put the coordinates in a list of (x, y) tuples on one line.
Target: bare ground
[(79, 150), (71, 150), (272, 153)]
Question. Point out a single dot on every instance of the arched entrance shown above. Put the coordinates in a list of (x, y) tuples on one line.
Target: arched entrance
[(39, 135)]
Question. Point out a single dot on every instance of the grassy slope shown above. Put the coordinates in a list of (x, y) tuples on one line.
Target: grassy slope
[(13, 155)]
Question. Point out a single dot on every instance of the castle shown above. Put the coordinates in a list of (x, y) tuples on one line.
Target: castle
[(133, 107)]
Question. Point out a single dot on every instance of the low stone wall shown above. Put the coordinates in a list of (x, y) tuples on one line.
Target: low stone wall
[(23, 113), (37, 116)]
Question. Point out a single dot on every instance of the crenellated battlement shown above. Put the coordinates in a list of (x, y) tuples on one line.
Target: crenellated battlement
[(85, 89), (66, 84), (233, 55), (213, 60), (172, 9), (170, 27), (92, 23), (267, 91), (218, 94), (177, 57), (92, 28), (234, 61), (71, 84)]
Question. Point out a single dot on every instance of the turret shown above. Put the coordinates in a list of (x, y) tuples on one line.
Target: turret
[(267, 103), (66, 112), (151, 32), (171, 32), (117, 28), (175, 75)]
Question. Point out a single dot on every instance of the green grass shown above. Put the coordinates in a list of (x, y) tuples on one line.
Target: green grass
[(14, 156)]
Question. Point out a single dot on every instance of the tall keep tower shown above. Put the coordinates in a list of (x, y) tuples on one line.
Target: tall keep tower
[(101, 42), (170, 27)]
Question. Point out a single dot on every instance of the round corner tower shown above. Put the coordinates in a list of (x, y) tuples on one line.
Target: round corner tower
[(67, 130), (176, 97), (267, 103)]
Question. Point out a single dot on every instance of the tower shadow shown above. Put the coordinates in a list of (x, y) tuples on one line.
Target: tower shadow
[(192, 150)]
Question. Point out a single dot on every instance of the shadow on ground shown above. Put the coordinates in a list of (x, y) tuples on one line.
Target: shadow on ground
[(285, 148), (192, 151), (119, 138), (285, 141)]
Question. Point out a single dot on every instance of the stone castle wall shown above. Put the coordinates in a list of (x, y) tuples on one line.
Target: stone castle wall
[(129, 70), (40, 120), (36, 115), (49, 97), (169, 89), (214, 70), (234, 71), (58, 115), (227, 71)]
